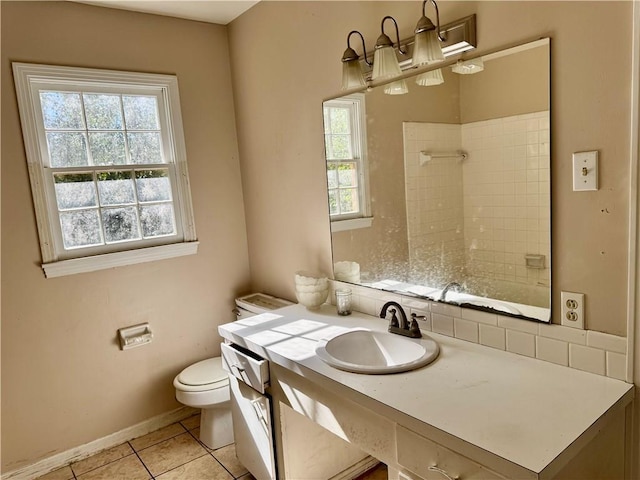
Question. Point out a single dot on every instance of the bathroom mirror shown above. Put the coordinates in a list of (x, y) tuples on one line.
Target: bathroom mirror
[(448, 183)]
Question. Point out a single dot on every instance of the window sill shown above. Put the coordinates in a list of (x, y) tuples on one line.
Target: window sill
[(351, 224), (118, 259)]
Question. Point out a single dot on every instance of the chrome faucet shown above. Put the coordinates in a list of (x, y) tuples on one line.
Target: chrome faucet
[(443, 295), (402, 327)]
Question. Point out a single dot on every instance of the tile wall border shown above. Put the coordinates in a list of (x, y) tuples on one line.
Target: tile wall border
[(587, 350)]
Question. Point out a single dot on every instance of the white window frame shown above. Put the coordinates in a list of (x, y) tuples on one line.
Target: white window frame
[(56, 261), (362, 219)]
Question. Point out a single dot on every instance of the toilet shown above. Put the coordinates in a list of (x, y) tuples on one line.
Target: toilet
[(205, 384)]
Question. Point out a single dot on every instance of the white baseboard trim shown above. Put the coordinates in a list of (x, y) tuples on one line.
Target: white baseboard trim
[(83, 451), (357, 469)]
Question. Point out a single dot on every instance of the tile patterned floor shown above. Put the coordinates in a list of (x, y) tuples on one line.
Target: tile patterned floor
[(171, 453)]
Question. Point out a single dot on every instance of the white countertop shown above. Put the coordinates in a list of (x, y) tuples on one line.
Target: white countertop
[(520, 409)]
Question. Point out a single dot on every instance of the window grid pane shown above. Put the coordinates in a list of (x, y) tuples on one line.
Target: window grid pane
[(158, 220), (120, 224), (343, 188), (349, 201), (103, 111), (62, 110), (81, 228), (108, 148), (75, 191), (116, 188), (141, 112), (87, 128), (339, 141), (153, 185), (344, 148), (67, 149), (101, 207), (114, 206)]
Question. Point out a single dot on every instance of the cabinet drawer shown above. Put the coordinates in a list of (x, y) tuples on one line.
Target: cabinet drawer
[(431, 461), (246, 366)]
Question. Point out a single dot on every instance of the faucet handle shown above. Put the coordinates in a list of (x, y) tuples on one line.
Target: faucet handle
[(415, 329), (394, 319)]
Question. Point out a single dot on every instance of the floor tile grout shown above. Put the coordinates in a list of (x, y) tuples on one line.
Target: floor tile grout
[(151, 476), (134, 451), (158, 442), (172, 468)]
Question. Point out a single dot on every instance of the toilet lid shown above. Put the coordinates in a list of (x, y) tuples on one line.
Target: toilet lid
[(204, 372)]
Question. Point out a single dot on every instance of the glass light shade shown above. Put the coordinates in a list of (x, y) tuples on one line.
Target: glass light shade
[(352, 75), (396, 88), (426, 49), (385, 63), (431, 78), (468, 67)]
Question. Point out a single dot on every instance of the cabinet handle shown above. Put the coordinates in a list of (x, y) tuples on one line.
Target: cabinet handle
[(257, 406), (242, 372), (238, 367), (442, 472)]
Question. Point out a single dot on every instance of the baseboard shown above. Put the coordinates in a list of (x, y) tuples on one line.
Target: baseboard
[(83, 451), (357, 469)]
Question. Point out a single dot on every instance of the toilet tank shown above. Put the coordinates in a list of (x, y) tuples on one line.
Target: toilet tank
[(256, 303)]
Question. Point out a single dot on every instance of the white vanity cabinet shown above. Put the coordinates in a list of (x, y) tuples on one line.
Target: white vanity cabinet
[(431, 461), (475, 413), (251, 410)]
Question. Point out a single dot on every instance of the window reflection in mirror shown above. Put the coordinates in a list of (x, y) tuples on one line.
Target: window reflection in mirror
[(346, 157), (459, 188)]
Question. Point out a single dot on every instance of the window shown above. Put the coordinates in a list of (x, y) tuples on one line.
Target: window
[(345, 153), (107, 166)]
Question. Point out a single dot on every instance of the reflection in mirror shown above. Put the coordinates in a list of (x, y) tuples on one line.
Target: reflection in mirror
[(457, 188)]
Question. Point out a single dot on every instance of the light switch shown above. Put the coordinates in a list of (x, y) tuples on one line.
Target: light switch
[(585, 171)]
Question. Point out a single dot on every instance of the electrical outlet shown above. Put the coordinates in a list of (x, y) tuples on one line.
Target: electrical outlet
[(572, 309)]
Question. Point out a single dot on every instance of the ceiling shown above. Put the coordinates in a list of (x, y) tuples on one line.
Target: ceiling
[(211, 11)]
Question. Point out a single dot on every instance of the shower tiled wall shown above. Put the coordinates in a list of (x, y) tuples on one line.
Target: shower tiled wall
[(435, 209), (475, 220), (506, 205)]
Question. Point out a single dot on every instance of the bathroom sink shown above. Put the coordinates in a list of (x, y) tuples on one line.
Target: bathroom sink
[(365, 351)]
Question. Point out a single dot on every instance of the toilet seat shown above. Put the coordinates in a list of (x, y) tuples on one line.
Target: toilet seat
[(202, 376)]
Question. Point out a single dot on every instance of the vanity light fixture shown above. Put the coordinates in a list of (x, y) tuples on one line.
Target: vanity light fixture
[(352, 74), (468, 67), (460, 36), (431, 44), (385, 62), (429, 79), (426, 47), (396, 88)]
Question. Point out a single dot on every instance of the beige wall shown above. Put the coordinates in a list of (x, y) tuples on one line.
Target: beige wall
[(279, 112), (64, 380), (526, 91)]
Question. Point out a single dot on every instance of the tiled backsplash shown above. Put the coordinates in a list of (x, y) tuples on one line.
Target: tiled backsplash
[(587, 350)]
